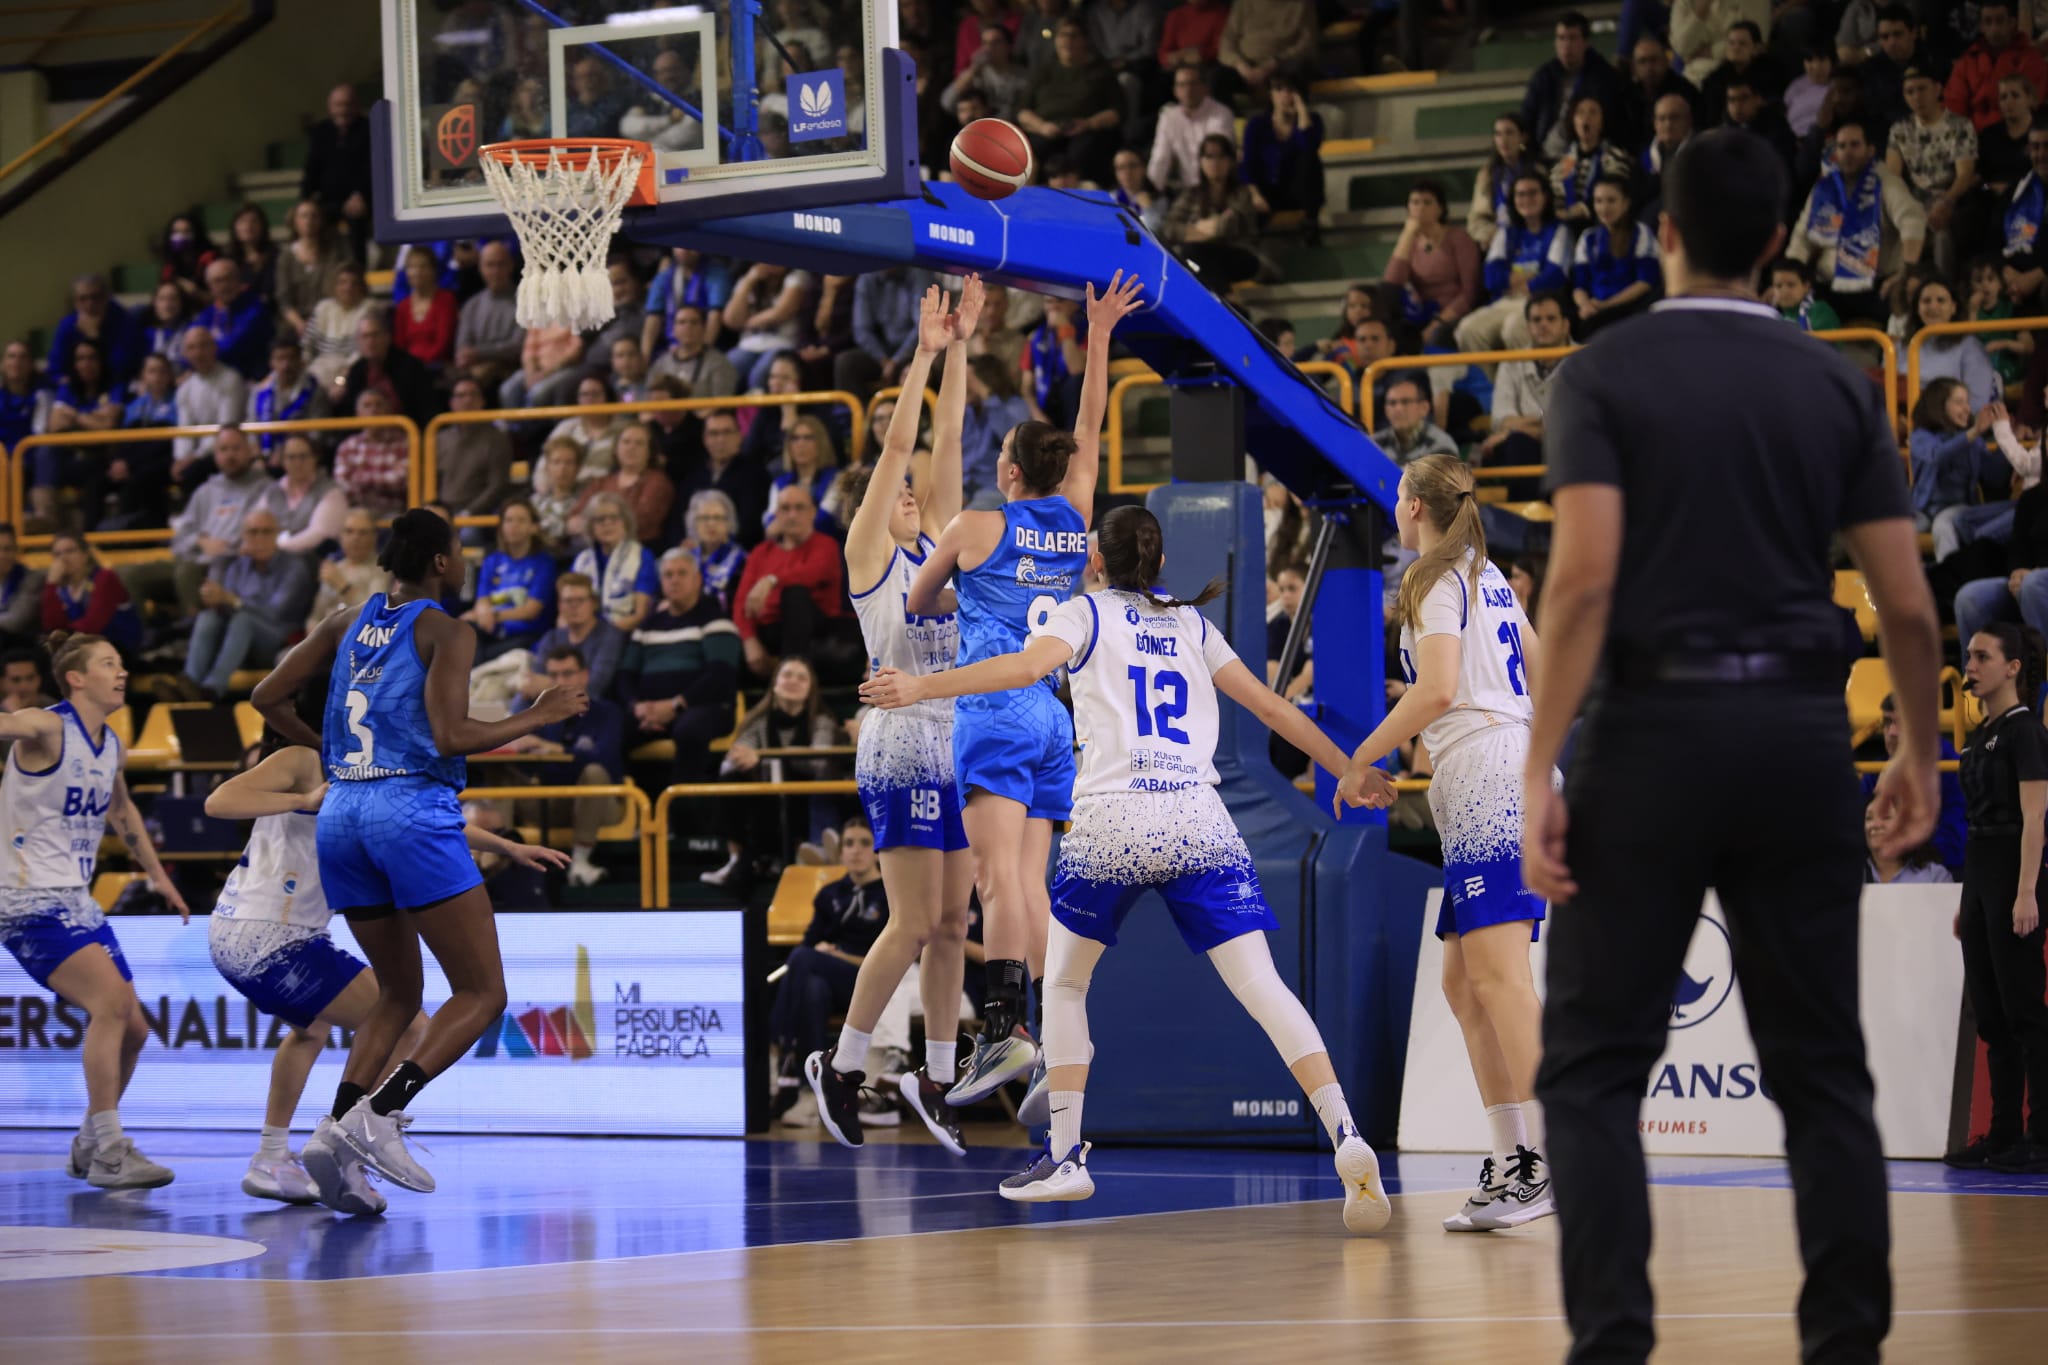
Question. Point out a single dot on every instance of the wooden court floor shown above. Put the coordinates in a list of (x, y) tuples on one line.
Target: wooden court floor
[(1267, 1283)]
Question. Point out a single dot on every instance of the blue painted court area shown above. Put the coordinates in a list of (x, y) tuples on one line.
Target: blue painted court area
[(515, 1201)]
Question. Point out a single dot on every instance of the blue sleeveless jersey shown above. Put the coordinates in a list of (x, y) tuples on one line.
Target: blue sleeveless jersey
[(1037, 565), (376, 724)]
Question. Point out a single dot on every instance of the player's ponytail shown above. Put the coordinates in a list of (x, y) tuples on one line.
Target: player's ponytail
[(418, 536), (1444, 485), (1134, 552), (1041, 451), (68, 654)]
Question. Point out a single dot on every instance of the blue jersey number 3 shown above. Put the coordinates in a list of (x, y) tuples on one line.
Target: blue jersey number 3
[(1511, 636), (1173, 705)]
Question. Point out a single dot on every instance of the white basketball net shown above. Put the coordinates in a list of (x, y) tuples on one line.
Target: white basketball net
[(565, 214)]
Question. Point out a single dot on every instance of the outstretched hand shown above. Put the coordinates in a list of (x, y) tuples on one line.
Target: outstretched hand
[(1122, 298), (934, 323), (968, 317), (890, 689), (536, 856), (1363, 784)]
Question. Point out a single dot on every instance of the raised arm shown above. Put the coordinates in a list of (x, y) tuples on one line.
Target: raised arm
[(456, 732), (306, 661), (943, 493), (289, 780), (1119, 301), (868, 544), (890, 690)]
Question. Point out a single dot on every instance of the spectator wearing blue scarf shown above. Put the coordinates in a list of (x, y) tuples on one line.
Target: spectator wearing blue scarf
[(1859, 227), (1531, 254), (1616, 269), (1589, 159), (2023, 249)]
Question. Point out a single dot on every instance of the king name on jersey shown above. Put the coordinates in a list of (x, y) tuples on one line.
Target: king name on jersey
[(375, 637)]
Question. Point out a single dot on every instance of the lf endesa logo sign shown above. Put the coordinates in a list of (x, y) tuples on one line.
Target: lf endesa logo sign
[(817, 105)]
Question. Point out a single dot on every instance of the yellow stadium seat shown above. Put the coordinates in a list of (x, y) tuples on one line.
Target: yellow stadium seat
[(789, 914), (157, 745), (108, 886), (1870, 682), (250, 722), (244, 680), (522, 471), (1852, 595), (664, 750), (122, 723)]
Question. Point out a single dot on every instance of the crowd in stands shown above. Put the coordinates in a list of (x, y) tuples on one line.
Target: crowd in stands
[(680, 558)]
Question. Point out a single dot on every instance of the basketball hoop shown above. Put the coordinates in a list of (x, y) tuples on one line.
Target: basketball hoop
[(564, 196)]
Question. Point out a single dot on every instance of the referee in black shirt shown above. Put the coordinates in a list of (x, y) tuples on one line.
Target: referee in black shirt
[(1701, 459)]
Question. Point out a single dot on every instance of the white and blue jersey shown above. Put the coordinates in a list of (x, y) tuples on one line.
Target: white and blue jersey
[(1146, 813), (1479, 747), (1019, 744), (268, 931), (903, 766), (390, 829), (51, 824)]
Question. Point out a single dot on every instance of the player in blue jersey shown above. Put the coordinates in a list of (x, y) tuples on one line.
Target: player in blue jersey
[(1013, 752), (1468, 653), (62, 791), (904, 769), (269, 937), (390, 835)]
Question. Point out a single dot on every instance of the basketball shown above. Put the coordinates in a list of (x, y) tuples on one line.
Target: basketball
[(991, 159)]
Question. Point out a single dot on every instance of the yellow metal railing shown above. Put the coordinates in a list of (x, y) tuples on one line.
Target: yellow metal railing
[(59, 137), (427, 474), (140, 435), (1113, 439), (1949, 329), (720, 791), (635, 799)]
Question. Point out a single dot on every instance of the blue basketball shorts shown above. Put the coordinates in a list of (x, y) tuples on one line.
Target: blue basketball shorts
[(1018, 745), (392, 844), (1210, 907), (44, 928), (1476, 797), (903, 771), (285, 970)]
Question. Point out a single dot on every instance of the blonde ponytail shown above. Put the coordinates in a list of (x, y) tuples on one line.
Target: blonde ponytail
[(1444, 484)]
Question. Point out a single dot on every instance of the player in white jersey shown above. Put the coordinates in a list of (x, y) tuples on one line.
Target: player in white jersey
[(62, 789), (1146, 817), (1468, 653), (904, 766), (269, 938)]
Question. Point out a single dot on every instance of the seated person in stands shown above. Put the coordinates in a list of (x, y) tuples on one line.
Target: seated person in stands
[(995, 76), (595, 743), (1589, 158), (792, 597), (1746, 60), (1575, 70), (1960, 522), (350, 575), (250, 608), (2026, 253), (238, 318), (473, 460), (1935, 153), (847, 917), (289, 393), (1521, 390), (2020, 593), (375, 463), (1949, 357), (681, 669), (741, 482), (1952, 828), (708, 525), (1215, 222), (1409, 434), (1175, 163), (2010, 352), (515, 588), (1288, 581), (1073, 108), (792, 716), (137, 477), (550, 366), (1672, 121), (555, 490), (1791, 293), (309, 505), (1531, 254), (1918, 865), (1435, 266), (82, 597), (620, 566), (1751, 110), (1616, 270), (578, 623), (1262, 39), (692, 359), (423, 324), (1860, 226)]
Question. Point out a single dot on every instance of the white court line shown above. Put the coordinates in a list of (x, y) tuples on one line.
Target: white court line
[(772, 1329)]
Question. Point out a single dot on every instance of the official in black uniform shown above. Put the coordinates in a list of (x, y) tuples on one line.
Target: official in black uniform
[(1701, 459), (2005, 790)]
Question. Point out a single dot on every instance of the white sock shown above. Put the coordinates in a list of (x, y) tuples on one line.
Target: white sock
[(106, 1127), (1506, 1123), (1532, 1119), (1331, 1109), (85, 1128), (942, 1061), (1066, 1122), (276, 1142), (852, 1052), (581, 852)]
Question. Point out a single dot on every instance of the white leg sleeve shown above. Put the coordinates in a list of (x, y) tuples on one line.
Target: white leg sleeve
[(893, 1028), (1069, 963), (1246, 966)]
